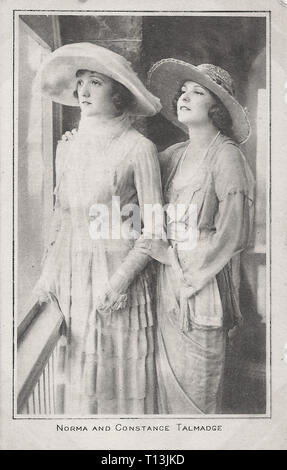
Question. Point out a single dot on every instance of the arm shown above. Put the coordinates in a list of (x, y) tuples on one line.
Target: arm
[(42, 287), (55, 222), (148, 185), (233, 184), (54, 228)]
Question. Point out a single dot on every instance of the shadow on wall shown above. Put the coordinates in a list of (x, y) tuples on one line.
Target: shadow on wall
[(245, 374), (245, 385)]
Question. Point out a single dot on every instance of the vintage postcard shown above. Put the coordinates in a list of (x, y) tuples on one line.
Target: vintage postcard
[(143, 225)]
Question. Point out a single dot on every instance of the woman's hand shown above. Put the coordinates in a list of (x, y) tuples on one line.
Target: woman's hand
[(41, 294), (111, 300), (69, 136), (162, 252), (43, 290)]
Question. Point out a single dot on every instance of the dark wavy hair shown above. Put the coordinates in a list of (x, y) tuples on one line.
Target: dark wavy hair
[(217, 113), (122, 98)]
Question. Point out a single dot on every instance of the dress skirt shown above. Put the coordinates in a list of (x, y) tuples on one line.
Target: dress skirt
[(109, 365), (189, 363), (106, 169)]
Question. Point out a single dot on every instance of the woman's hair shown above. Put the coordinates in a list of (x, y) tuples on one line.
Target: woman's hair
[(122, 98), (218, 113)]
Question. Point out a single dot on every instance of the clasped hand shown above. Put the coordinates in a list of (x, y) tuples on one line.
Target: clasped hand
[(110, 300)]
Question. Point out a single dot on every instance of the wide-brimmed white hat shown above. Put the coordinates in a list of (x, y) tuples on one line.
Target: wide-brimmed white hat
[(166, 76), (57, 75)]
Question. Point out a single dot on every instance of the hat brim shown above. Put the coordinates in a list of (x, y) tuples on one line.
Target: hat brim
[(57, 76), (165, 79)]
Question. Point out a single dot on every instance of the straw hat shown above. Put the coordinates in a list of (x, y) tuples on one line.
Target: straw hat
[(167, 75), (57, 75)]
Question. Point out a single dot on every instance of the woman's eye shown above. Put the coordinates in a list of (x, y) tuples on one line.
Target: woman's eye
[(198, 93), (80, 82), (95, 82)]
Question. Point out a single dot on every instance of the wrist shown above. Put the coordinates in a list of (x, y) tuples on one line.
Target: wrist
[(117, 283)]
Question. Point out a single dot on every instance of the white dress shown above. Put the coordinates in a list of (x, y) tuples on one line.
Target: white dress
[(110, 364)]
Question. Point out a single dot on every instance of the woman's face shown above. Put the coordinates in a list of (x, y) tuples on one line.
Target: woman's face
[(194, 104), (95, 94)]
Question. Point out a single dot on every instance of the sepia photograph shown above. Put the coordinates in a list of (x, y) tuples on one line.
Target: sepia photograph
[(140, 324), (141, 191)]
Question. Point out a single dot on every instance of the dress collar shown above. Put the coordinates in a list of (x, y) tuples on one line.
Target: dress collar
[(104, 127), (175, 159)]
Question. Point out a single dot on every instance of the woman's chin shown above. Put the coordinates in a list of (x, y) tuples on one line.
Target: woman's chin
[(184, 121), (88, 112), (183, 118)]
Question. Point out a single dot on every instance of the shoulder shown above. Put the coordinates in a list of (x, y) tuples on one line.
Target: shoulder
[(137, 139), (142, 149), (143, 143), (229, 157), (232, 172)]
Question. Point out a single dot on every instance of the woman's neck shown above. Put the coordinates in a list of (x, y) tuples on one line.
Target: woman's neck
[(102, 125), (200, 137), (97, 119)]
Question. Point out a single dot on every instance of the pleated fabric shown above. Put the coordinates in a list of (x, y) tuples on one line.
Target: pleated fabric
[(110, 357), (110, 363)]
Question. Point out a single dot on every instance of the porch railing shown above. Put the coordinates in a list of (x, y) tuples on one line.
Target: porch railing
[(39, 352)]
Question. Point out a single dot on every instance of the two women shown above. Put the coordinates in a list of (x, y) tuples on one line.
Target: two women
[(103, 286)]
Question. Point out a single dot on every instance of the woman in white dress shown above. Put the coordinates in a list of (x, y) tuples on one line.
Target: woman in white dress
[(103, 283)]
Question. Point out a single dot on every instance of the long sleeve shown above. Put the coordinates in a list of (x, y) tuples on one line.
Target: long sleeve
[(233, 185), (45, 281), (148, 186), (55, 220), (54, 228)]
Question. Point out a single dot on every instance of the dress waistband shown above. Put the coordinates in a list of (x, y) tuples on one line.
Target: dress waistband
[(178, 234)]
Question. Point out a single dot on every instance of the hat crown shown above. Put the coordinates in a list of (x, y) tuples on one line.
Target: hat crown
[(218, 75), (57, 75), (93, 50)]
